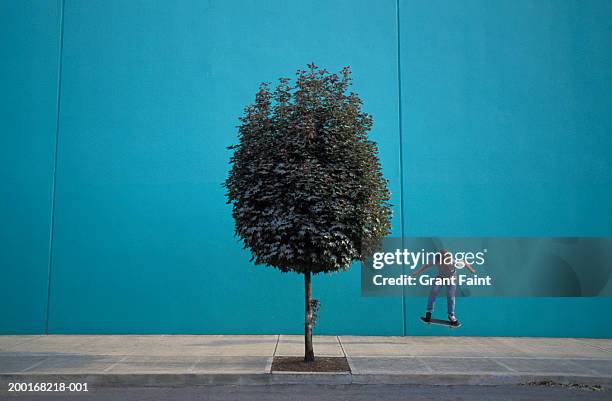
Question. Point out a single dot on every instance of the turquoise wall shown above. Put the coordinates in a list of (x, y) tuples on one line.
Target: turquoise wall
[(492, 119), (506, 124), (29, 65)]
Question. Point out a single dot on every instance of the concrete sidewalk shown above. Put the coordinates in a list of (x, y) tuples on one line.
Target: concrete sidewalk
[(134, 360)]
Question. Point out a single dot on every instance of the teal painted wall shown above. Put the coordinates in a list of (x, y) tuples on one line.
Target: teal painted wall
[(29, 65), (506, 132), (505, 102), (151, 95)]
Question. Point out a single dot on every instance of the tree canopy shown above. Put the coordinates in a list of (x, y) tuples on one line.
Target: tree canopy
[(306, 186)]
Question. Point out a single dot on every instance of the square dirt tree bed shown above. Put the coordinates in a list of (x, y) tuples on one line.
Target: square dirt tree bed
[(320, 364)]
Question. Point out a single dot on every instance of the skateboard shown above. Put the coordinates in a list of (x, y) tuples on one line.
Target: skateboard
[(441, 322)]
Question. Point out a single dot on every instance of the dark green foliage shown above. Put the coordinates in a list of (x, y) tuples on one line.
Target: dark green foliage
[(306, 185)]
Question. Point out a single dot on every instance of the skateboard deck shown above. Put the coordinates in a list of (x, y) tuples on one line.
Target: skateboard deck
[(441, 322)]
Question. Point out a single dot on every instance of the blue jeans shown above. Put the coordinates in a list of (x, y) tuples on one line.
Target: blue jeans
[(450, 298)]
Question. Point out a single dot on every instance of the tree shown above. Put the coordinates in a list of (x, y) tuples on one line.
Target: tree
[(306, 187)]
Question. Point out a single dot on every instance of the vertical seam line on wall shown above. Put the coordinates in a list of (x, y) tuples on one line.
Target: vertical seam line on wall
[(401, 148), (54, 180)]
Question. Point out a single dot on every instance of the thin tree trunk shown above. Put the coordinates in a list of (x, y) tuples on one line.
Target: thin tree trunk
[(308, 350)]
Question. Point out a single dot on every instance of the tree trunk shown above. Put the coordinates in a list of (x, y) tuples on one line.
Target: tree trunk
[(308, 350)]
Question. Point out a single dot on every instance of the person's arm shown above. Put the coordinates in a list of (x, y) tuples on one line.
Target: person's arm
[(470, 268), (419, 270)]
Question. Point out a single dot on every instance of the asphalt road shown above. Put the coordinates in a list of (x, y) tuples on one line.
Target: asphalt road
[(325, 392)]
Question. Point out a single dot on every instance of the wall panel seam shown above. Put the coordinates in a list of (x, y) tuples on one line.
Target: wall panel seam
[(62, 4), (401, 148)]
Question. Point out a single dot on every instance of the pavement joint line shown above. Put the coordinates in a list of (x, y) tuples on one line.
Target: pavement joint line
[(341, 346), (583, 342), (278, 336), (192, 368), (503, 365), (37, 364), (427, 367), (112, 365)]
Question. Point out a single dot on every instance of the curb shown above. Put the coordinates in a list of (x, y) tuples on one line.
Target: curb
[(216, 379)]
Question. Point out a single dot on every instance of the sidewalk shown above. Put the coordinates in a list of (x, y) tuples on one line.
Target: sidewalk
[(177, 360)]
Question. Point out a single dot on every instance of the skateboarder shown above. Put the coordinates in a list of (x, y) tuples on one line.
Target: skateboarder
[(447, 267)]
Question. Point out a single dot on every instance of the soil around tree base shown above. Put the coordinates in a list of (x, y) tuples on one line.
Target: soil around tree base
[(320, 364)]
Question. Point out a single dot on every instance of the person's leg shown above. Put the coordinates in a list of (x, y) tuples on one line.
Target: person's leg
[(431, 300), (450, 299)]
